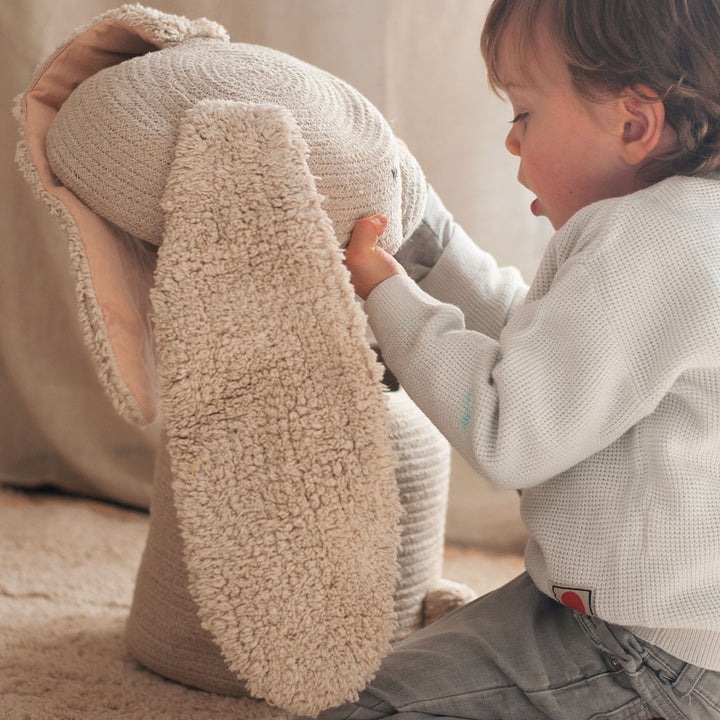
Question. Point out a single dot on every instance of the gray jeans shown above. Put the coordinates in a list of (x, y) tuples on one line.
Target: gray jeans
[(516, 654)]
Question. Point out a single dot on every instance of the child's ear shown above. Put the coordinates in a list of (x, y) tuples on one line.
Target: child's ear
[(643, 118)]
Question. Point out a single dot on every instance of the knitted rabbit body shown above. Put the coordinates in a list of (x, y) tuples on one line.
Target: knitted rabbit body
[(206, 189)]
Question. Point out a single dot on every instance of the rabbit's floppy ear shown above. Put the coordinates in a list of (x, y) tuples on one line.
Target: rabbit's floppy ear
[(283, 473), (113, 272)]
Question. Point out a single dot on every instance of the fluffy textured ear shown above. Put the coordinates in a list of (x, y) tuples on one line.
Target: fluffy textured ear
[(113, 272), (283, 474)]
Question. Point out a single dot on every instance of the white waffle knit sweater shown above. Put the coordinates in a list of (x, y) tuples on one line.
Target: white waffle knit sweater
[(596, 391)]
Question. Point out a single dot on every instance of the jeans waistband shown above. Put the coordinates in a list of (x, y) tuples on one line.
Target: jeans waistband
[(632, 653)]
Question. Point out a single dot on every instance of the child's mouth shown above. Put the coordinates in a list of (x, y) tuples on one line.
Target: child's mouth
[(534, 208)]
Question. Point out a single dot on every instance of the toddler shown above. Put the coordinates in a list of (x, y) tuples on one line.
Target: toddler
[(595, 391)]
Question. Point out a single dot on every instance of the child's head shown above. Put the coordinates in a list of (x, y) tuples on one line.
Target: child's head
[(658, 59)]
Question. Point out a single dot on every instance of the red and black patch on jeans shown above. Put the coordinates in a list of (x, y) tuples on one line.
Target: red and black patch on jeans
[(578, 599)]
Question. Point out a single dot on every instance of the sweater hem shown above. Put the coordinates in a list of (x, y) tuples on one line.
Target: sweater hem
[(697, 647)]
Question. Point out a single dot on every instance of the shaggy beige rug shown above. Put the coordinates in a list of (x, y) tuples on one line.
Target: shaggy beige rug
[(67, 568)]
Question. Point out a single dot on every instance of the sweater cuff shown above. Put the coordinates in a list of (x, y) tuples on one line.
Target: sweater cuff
[(390, 306)]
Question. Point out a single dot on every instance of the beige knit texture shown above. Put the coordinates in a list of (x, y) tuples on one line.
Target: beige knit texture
[(284, 477), (164, 631), (422, 476), (113, 140)]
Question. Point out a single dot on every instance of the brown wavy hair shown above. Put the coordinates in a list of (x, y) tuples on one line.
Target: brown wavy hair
[(612, 46)]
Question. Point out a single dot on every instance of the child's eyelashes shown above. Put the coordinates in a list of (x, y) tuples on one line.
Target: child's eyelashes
[(518, 118)]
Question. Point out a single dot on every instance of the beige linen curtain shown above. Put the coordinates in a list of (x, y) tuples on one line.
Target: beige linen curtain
[(417, 60)]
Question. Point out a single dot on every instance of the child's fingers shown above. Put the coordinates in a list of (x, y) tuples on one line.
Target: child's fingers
[(363, 243), (367, 231), (367, 262)]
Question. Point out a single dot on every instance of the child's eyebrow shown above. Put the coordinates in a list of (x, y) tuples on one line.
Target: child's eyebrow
[(515, 85), (512, 88)]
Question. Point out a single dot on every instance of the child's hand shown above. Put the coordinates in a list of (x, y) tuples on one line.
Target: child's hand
[(368, 263)]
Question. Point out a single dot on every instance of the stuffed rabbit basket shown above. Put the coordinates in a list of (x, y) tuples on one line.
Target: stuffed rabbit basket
[(206, 190)]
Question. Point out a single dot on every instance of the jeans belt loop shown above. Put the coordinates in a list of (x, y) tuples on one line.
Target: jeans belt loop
[(687, 679)]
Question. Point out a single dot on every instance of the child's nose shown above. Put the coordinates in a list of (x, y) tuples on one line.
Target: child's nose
[(512, 143)]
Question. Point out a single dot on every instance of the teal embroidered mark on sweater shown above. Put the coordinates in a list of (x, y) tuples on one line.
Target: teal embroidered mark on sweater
[(467, 410)]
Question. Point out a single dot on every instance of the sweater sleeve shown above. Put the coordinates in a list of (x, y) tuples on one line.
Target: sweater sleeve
[(449, 266), (552, 389)]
